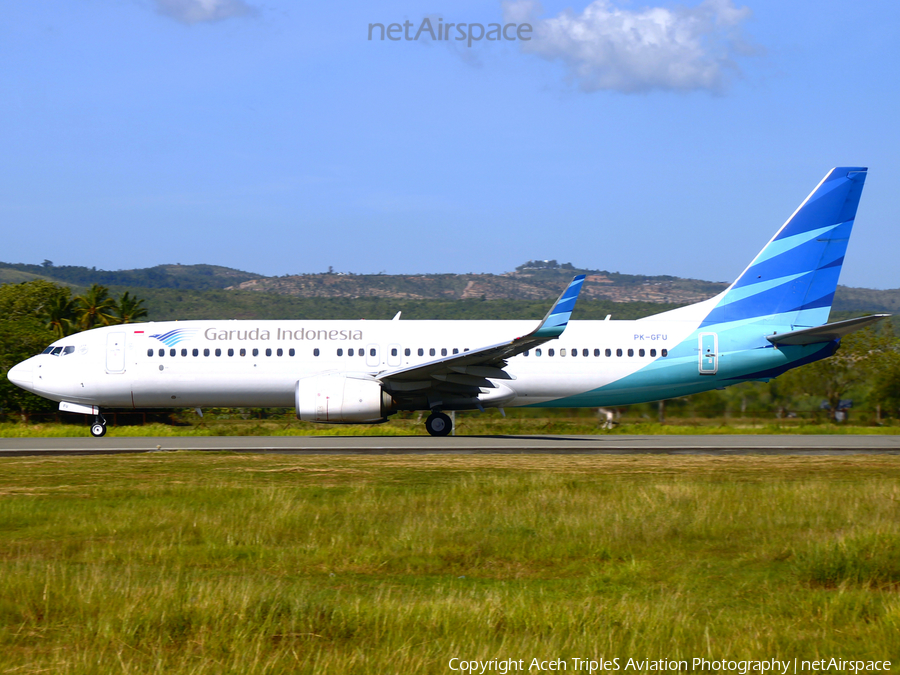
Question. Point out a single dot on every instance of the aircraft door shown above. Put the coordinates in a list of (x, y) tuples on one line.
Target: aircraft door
[(709, 353), (373, 358), (115, 352)]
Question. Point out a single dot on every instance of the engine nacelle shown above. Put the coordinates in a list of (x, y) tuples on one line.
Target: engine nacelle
[(340, 398)]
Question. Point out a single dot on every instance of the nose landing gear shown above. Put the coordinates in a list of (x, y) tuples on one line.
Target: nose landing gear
[(98, 428)]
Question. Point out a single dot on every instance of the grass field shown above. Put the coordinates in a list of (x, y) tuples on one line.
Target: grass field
[(467, 424), (221, 563)]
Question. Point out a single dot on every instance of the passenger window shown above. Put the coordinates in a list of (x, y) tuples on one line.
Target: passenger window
[(443, 351), (171, 352), (372, 352), (243, 351), (161, 352), (585, 352), (609, 352), (640, 352), (184, 352), (149, 352), (630, 352), (291, 351), (431, 352), (421, 352), (340, 352), (525, 353), (407, 351), (596, 352), (455, 350), (280, 352), (230, 351), (269, 351), (255, 352), (618, 352), (393, 351), (205, 352), (550, 352), (537, 352), (350, 352), (652, 352), (665, 352), (562, 352), (316, 351), (195, 352), (218, 352)]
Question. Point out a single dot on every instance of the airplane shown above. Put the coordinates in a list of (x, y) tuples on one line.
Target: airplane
[(771, 319)]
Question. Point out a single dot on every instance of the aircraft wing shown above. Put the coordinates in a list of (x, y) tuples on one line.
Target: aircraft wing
[(824, 333), (465, 373)]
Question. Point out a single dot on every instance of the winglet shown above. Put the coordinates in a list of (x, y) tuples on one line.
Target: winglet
[(557, 318)]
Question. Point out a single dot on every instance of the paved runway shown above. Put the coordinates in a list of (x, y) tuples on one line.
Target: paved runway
[(391, 445)]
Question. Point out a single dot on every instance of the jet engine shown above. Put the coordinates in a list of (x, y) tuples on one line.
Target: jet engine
[(341, 398)]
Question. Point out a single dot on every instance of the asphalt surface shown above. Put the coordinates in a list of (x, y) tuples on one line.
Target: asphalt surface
[(399, 445)]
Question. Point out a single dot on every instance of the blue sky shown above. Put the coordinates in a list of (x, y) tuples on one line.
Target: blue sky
[(274, 137)]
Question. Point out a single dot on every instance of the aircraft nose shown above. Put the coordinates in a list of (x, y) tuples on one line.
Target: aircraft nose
[(22, 375)]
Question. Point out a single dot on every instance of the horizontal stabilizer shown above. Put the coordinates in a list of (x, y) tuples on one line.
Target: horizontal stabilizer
[(826, 333)]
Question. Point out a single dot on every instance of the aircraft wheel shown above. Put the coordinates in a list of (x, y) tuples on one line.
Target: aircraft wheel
[(438, 424), (98, 430)]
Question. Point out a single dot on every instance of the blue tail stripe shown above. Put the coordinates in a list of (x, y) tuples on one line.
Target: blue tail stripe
[(782, 244), (807, 254), (834, 263), (753, 289), (835, 201), (824, 301), (806, 257)]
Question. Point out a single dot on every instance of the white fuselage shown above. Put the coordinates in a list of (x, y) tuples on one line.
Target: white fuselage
[(259, 363)]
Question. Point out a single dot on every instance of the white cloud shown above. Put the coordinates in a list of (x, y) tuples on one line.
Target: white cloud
[(606, 47), (198, 11)]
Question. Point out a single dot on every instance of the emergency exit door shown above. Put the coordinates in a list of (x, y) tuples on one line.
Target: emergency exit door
[(373, 358), (709, 353)]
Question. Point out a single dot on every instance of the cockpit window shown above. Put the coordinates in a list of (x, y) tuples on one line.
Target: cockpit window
[(69, 350), (56, 351), (48, 350)]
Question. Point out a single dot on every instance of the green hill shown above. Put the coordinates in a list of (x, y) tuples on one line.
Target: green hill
[(215, 291), (194, 277)]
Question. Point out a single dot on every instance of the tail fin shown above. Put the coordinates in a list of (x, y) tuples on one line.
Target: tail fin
[(793, 279)]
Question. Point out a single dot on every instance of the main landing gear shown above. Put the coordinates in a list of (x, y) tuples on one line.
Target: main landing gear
[(98, 428), (438, 424)]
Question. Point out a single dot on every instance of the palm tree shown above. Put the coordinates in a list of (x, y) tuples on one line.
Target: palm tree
[(95, 307), (59, 313), (130, 309)]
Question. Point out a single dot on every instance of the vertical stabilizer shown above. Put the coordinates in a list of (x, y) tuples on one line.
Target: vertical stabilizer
[(793, 279)]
